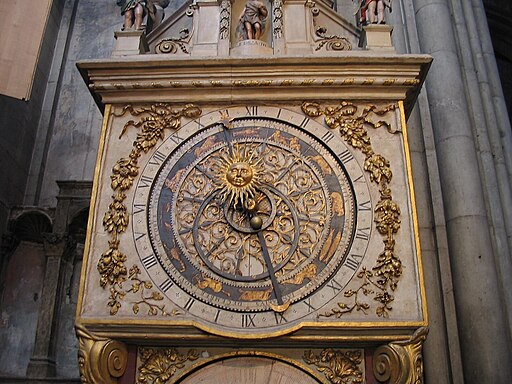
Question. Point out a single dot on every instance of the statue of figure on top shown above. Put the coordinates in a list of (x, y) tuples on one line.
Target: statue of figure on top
[(372, 11), (134, 12), (252, 20)]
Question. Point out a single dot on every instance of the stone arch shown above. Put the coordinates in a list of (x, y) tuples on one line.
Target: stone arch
[(30, 225)]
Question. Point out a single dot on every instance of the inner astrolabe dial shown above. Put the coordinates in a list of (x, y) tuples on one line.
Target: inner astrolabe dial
[(247, 218), (242, 256)]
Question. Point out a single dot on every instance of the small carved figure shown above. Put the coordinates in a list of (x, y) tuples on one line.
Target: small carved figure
[(373, 11), (133, 12), (252, 20), (156, 13)]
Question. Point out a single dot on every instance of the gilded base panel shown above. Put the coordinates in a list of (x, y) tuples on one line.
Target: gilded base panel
[(394, 363), (104, 361)]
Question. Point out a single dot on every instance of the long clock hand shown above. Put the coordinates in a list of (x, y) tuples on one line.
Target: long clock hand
[(281, 307)]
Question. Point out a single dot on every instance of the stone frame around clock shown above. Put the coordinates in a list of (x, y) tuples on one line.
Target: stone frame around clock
[(104, 329)]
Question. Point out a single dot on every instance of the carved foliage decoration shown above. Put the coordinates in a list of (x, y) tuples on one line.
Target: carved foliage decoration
[(277, 21), (100, 360), (339, 367), (159, 365), (401, 362), (382, 279), (153, 123)]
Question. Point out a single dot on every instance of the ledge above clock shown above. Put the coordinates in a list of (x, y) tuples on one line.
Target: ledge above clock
[(353, 76)]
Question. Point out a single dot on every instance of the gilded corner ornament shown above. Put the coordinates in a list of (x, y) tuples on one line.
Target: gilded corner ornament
[(100, 360), (158, 365), (154, 121), (338, 366), (401, 362), (382, 279)]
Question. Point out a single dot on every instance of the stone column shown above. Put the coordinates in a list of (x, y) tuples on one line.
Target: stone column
[(488, 142), (441, 350), (496, 101), (481, 320), (42, 362)]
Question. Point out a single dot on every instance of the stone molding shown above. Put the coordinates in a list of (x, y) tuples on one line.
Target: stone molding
[(287, 79)]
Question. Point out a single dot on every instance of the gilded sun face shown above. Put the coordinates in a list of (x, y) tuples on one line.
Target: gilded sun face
[(239, 175)]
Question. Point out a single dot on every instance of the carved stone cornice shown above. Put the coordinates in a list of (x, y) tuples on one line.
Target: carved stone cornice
[(355, 75), (101, 360), (401, 362)]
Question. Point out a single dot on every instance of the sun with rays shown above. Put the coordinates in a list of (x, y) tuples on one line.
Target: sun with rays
[(239, 176)]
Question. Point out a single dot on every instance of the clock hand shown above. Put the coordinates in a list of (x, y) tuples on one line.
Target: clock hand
[(270, 268), (227, 124)]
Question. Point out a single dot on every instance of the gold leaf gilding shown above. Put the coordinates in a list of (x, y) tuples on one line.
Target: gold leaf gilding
[(383, 278), (154, 120)]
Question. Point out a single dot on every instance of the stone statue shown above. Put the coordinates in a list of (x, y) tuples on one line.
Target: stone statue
[(252, 20), (373, 11), (155, 13), (135, 10)]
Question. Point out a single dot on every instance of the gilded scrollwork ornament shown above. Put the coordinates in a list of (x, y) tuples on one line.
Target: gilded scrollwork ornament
[(158, 365), (154, 121), (338, 366), (401, 362), (171, 45), (331, 42), (382, 279), (100, 360)]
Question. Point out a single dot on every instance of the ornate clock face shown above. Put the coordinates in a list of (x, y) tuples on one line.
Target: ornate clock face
[(258, 220)]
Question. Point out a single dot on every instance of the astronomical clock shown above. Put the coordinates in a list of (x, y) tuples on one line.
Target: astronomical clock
[(253, 216)]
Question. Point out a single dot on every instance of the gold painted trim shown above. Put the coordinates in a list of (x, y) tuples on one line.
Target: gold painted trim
[(232, 355), (414, 212), (92, 205), (349, 326)]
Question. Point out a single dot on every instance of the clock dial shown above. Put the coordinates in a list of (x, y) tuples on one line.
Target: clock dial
[(253, 216)]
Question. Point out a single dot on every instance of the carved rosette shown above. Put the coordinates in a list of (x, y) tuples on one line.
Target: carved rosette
[(401, 362), (153, 123), (100, 360), (338, 366), (382, 279)]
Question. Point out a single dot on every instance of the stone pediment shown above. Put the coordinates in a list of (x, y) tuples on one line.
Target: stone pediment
[(212, 28)]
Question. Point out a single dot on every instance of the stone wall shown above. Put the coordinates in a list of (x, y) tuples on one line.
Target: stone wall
[(19, 124), (20, 306)]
